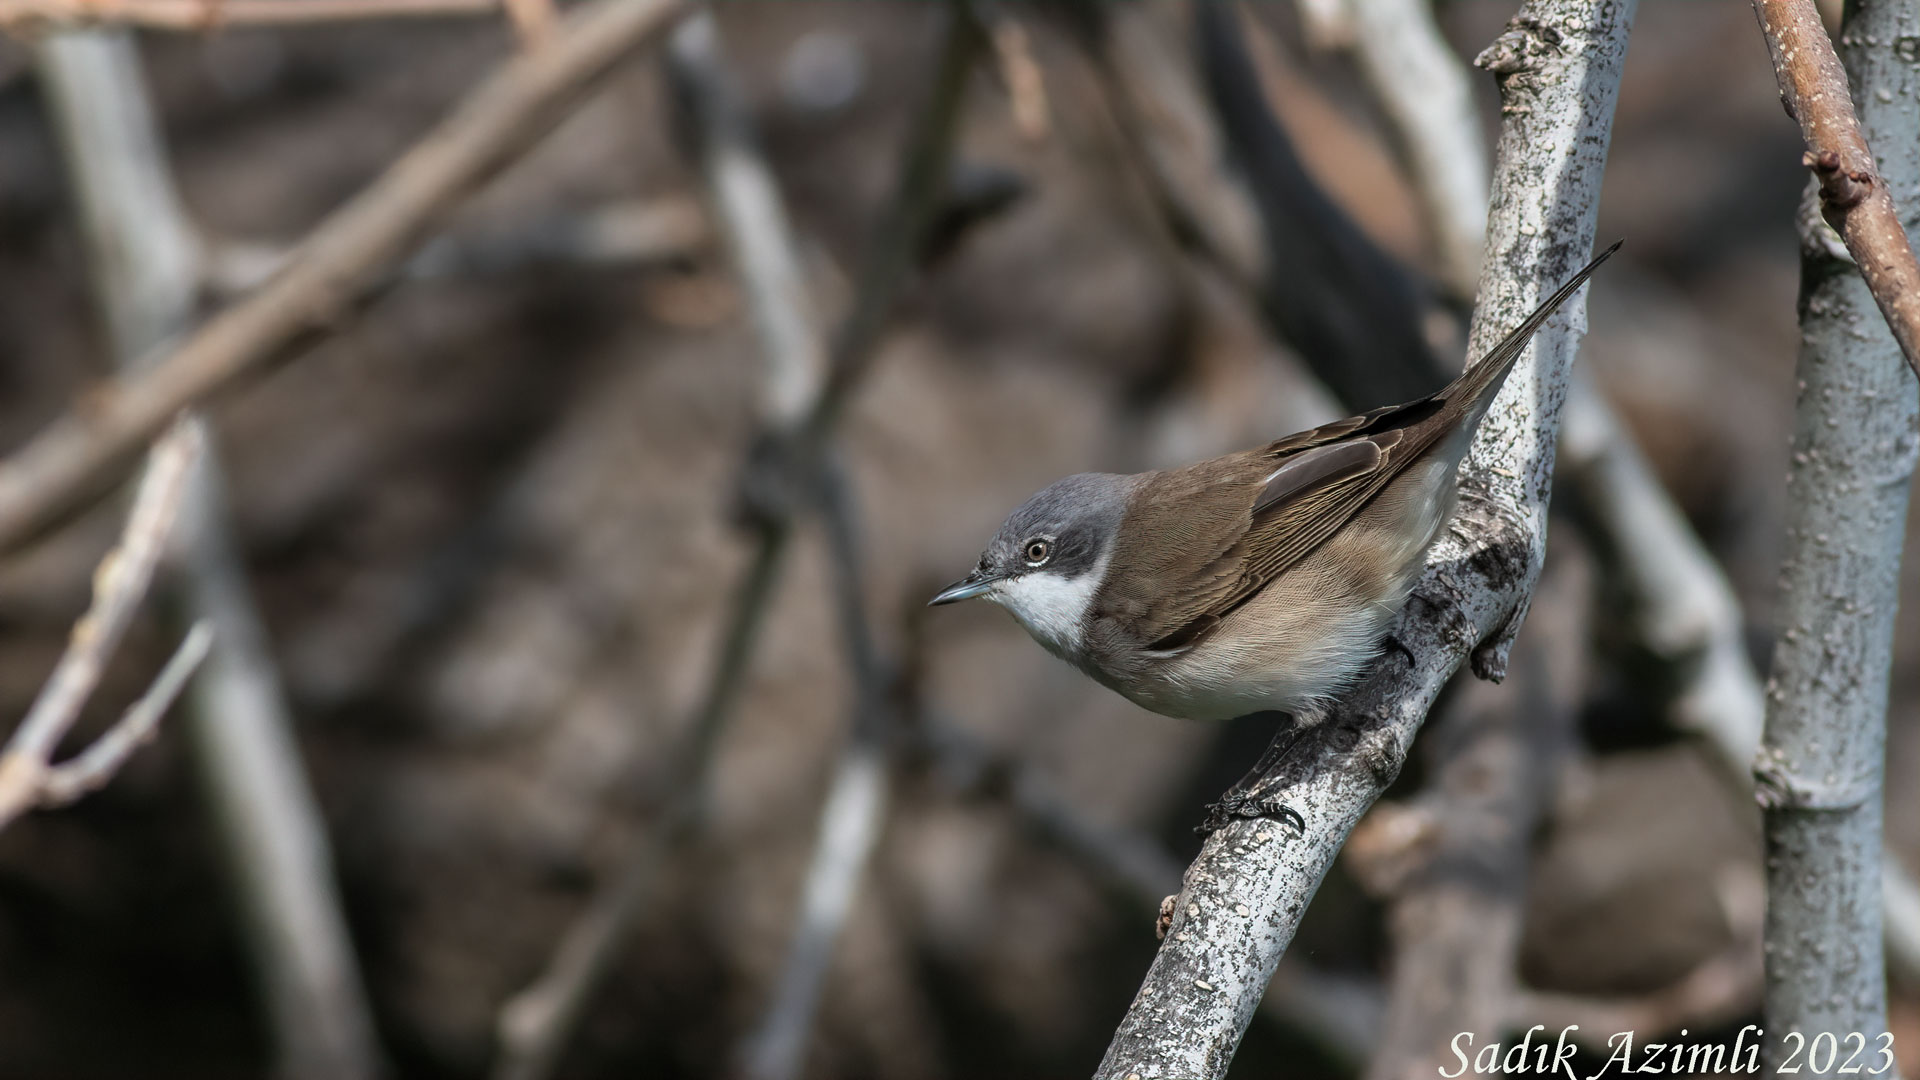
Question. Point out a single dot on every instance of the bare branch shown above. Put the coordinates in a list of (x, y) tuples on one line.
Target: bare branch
[(39, 16), (1458, 889), (1423, 89), (1820, 768), (89, 770), (802, 403), (1855, 198), (620, 234), (338, 266), (1681, 606), (118, 586), (1559, 63), (143, 265)]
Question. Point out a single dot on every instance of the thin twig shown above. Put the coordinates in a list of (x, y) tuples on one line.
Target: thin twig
[(89, 770), (1560, 62), (118, 586), (39, 16), (339, 266), (802, 403), (1855, 197)]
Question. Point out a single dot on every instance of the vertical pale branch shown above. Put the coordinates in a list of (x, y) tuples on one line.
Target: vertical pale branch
[(145, 265), (1424, 91), (1683, 609), (858, 798), (1821, 761), (1559, 64)]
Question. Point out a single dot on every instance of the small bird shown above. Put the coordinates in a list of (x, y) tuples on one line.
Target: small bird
[(1260, 581)]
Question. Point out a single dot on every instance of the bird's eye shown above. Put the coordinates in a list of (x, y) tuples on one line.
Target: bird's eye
[(1038, 549)]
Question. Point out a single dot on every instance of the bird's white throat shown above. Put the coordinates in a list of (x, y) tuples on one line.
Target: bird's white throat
[(1051, 606)]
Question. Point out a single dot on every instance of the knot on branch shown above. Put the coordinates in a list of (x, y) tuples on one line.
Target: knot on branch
[(779, 479), (1522, 47), (1777, 787), (1840, 188)]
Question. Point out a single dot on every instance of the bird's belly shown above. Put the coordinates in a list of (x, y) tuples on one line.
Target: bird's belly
[(1292, 663)]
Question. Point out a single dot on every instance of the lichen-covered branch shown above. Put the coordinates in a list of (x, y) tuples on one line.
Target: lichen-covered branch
[(1457, 878), (1855, 444), (1559, 65)]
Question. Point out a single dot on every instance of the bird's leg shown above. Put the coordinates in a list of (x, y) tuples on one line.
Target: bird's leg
[(1245, 799)]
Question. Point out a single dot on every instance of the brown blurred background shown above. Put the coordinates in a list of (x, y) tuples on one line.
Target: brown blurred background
[(491, 526)]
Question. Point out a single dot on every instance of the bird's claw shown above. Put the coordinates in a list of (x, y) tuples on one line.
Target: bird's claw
[(1251, 806), (1394, 644)]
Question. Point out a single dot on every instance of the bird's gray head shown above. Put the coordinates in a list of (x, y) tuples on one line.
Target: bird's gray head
[(1049, 557)]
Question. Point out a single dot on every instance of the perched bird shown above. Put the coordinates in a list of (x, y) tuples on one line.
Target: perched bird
[(1262, 580)]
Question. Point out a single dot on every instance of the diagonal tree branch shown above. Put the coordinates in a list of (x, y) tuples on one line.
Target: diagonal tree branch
[(1855, 197), (340, 265), (39, 16), (1559, 65), (1681, 606)]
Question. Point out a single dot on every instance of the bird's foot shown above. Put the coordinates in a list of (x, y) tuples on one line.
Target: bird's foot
[(1253, 796), (1164, 921), (1252, 805)]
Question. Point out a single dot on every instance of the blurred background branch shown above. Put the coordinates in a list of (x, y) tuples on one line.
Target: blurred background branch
[(340, 265), (804, 394), (144, 266), (28, 776)]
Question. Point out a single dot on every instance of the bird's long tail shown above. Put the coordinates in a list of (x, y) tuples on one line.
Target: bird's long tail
[(1477, 386)]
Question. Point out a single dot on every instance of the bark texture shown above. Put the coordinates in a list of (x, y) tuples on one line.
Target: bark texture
[(1820, 766)]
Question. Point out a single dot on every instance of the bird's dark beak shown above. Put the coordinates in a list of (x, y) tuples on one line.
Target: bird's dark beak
[(974, 584)]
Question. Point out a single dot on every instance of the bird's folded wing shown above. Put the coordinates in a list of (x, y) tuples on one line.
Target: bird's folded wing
[(1319, 480)]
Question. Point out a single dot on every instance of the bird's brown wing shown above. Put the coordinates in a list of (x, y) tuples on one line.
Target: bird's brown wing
[(1289, 498), (1259, 513)]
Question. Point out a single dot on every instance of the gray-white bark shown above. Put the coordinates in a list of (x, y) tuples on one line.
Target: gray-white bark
[(1855, 445), (1559, 63), (145, 265)]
